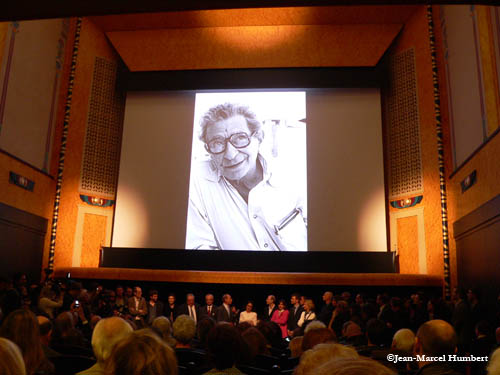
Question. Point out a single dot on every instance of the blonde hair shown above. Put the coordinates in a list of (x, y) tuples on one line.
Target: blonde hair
[(494, 363), (353, 366), (142, 352), (11, 359), (313, 358), (310, 303), (107, 333)]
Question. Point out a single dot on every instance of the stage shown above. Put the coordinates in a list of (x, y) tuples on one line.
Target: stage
[(257, 278)]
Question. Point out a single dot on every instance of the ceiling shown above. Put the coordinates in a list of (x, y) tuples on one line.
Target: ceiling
[(329, 36)]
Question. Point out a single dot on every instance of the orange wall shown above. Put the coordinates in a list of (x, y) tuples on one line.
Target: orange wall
[(92, 43), (415, 35), (39, 202)]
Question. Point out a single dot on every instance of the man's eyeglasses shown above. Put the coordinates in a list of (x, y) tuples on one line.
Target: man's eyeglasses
[(219, 144)]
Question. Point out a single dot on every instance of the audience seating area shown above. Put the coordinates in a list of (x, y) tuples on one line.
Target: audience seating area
[(62, 327)]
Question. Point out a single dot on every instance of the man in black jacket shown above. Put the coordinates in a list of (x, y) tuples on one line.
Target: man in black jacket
[(209, 309), (294, 315), (326, 311), (190, 308), (271, 307), (224, 313)]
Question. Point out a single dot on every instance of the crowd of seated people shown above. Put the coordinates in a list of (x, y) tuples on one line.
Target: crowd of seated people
[(60, 327)]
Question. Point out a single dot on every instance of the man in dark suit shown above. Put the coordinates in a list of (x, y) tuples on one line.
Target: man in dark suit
[(190, 308), (295, 312), (224, 312), (209, 310), (155, 307), (326, 312), (270, 308)]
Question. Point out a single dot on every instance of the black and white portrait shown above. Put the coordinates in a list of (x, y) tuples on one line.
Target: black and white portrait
[(248, 183)]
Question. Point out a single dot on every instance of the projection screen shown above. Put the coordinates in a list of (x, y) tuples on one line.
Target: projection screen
[(317, 157)]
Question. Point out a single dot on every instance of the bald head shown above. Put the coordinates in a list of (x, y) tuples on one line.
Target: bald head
[(436, 337), (327, 297), (107, 333)]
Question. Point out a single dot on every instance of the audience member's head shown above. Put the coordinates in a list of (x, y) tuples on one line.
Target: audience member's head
[(271, 331), (184, 329), (294, 299), (45, 328), (64, 323), (107, 333), (256, 342), (243, 326), (317, 336), (21, 327), (142, 352), (435, 338), (209, 299), (295, 346), (494, 363), (482, 328), (312, 359), (327, 297), (351, 329), (353, 366), (153, 295), (375, 332), (309, 305), (403, 340), (162, 326), (315, 324), (224, 346), (270, 300), (11, 359), (205, 325)]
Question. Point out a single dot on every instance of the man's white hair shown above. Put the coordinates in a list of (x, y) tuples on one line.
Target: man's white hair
[(107, 333), (404, 340), (494, 363), (315, 324)]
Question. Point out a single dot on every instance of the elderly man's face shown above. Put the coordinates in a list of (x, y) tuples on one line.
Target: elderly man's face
[(209, 299), (234, 163), (190, 300)]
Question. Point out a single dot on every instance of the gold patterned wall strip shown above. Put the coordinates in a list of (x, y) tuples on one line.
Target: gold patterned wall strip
[(402, 126), (101, 155)]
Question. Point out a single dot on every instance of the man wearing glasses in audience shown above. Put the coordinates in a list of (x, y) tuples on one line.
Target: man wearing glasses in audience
[(236, 202)]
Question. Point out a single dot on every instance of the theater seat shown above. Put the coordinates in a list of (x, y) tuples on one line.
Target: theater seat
[(71, 364)]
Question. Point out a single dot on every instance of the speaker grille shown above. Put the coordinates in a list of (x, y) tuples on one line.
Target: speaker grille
[(101, 155), (403, 127)]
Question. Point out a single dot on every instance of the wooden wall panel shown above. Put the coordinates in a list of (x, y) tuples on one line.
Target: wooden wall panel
[(407, 228), (254, 46), (94, 236)]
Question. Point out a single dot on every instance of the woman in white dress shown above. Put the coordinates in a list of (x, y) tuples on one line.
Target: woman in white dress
[(248, 315)]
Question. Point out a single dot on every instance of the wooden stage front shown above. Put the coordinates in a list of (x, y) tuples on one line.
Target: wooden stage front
[(257, 278)]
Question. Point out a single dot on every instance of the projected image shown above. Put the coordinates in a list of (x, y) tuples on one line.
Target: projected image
[(248, 183)]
